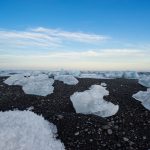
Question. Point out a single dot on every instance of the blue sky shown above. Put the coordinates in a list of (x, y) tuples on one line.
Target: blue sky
[(75, 34)]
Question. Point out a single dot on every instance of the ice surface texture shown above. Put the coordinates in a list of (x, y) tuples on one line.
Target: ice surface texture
[(24, 130), (91, 102)]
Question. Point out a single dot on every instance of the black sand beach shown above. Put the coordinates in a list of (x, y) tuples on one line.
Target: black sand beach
[(129, 129)]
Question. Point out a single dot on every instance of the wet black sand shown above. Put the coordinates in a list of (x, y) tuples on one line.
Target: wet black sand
[(128, 129)]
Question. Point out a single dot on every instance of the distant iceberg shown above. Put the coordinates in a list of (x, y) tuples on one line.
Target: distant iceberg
[(67, 79), (33, 81)]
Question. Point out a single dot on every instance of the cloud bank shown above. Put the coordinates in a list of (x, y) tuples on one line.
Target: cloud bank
[(45, 48), (46, 38)]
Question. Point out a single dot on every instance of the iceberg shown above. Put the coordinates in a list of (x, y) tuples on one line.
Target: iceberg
[(39, 84), (91, 102), (17, 79), (41, 87), (144, 97), (144, 80)]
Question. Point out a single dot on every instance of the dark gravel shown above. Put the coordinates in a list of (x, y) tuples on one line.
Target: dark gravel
[(129, 129)]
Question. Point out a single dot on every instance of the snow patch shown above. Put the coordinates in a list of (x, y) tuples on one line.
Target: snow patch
[(24, 130), (67, 79), (144, 97), (91, 102)]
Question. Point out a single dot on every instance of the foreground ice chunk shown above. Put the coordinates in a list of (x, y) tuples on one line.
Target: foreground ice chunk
[(39, 87), (67, 79), (144, 97), (91, 102), (24, 130)]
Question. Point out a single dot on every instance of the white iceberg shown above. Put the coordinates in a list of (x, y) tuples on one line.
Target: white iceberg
[(17, 79), (144, 97), (75, 73), (39, 77), (92, 75), (67, 79), (37, 85), (91, 102), (111, 75), (24, 130)]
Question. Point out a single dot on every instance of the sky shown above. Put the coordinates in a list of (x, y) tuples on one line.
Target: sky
[(75, 34)]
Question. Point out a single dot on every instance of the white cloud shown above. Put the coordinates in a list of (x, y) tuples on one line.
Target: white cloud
[(27, 38), (45, 48), (45, 37), (74, 36)]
